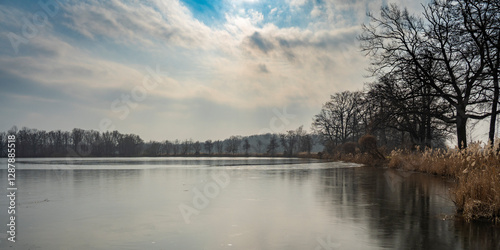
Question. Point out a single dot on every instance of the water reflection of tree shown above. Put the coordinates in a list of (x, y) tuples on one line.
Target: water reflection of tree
[(478, 235), (401, 210)]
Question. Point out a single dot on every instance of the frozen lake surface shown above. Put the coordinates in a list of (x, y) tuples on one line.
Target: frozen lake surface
[(231, 203)]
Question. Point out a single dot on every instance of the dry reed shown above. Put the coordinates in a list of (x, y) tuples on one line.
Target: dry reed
[(476, 170)]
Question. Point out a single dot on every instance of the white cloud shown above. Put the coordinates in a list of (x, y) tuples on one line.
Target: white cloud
[(297, 3), (255, 16), (137, 24), (316, 12), (243, 1)]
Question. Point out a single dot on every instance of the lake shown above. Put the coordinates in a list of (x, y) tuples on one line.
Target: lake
[(231, 203)]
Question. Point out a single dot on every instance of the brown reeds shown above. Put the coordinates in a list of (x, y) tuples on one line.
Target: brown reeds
[(476, 170)]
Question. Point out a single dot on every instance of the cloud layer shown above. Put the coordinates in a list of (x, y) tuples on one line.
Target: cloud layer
[(219, 71)]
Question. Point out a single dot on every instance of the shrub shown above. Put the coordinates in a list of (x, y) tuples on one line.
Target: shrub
[(368, 143), (349, 148)]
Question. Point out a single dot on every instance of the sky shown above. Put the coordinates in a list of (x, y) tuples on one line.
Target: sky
[(178, 69)]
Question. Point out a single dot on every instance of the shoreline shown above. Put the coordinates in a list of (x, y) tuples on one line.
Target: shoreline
[(474, 170)]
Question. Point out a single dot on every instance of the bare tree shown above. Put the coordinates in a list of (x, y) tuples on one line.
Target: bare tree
[(108, 144), (176, 147), (209, 145), (306, 143), (258, 146), (197, 147), (340, 119), (435, 50), (291, 141), (482, 22), (186, 147), (166, 148), (77, 137), (246, 146), (219, 146), (130, 145), (407, 106), (273, 145), (233, 144), (154, 149)]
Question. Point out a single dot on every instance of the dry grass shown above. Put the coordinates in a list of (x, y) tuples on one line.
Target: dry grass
[(476, 169)]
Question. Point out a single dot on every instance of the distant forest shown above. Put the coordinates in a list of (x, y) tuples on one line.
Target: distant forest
[(91, 143)]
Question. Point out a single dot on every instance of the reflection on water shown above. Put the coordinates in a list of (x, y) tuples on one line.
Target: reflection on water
[(264, 204)]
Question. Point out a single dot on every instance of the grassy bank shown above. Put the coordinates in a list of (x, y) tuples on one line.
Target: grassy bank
[(475, 169)]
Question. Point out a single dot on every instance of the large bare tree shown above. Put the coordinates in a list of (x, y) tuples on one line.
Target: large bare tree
[(435, 49), (481, 21)]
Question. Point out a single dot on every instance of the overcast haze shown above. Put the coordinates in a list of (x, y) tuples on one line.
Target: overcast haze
[(177, 69)]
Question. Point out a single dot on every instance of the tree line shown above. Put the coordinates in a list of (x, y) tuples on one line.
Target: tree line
[(78, 142), (348, 116), (91, 143)]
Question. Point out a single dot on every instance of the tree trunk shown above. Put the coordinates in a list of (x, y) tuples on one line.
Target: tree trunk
[(494, 109), (422, 132), (461, 130), (428, 135), (403, 139), (428, 122), (383, 137)]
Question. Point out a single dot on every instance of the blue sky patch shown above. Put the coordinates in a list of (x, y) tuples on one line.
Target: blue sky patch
[(209, 12)]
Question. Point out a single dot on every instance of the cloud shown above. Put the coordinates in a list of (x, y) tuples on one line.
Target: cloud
[(297, 3), (316, 12), (93, 52), (257, 41), (223, 56), (288, 43), (135, 23), (263, 68)]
